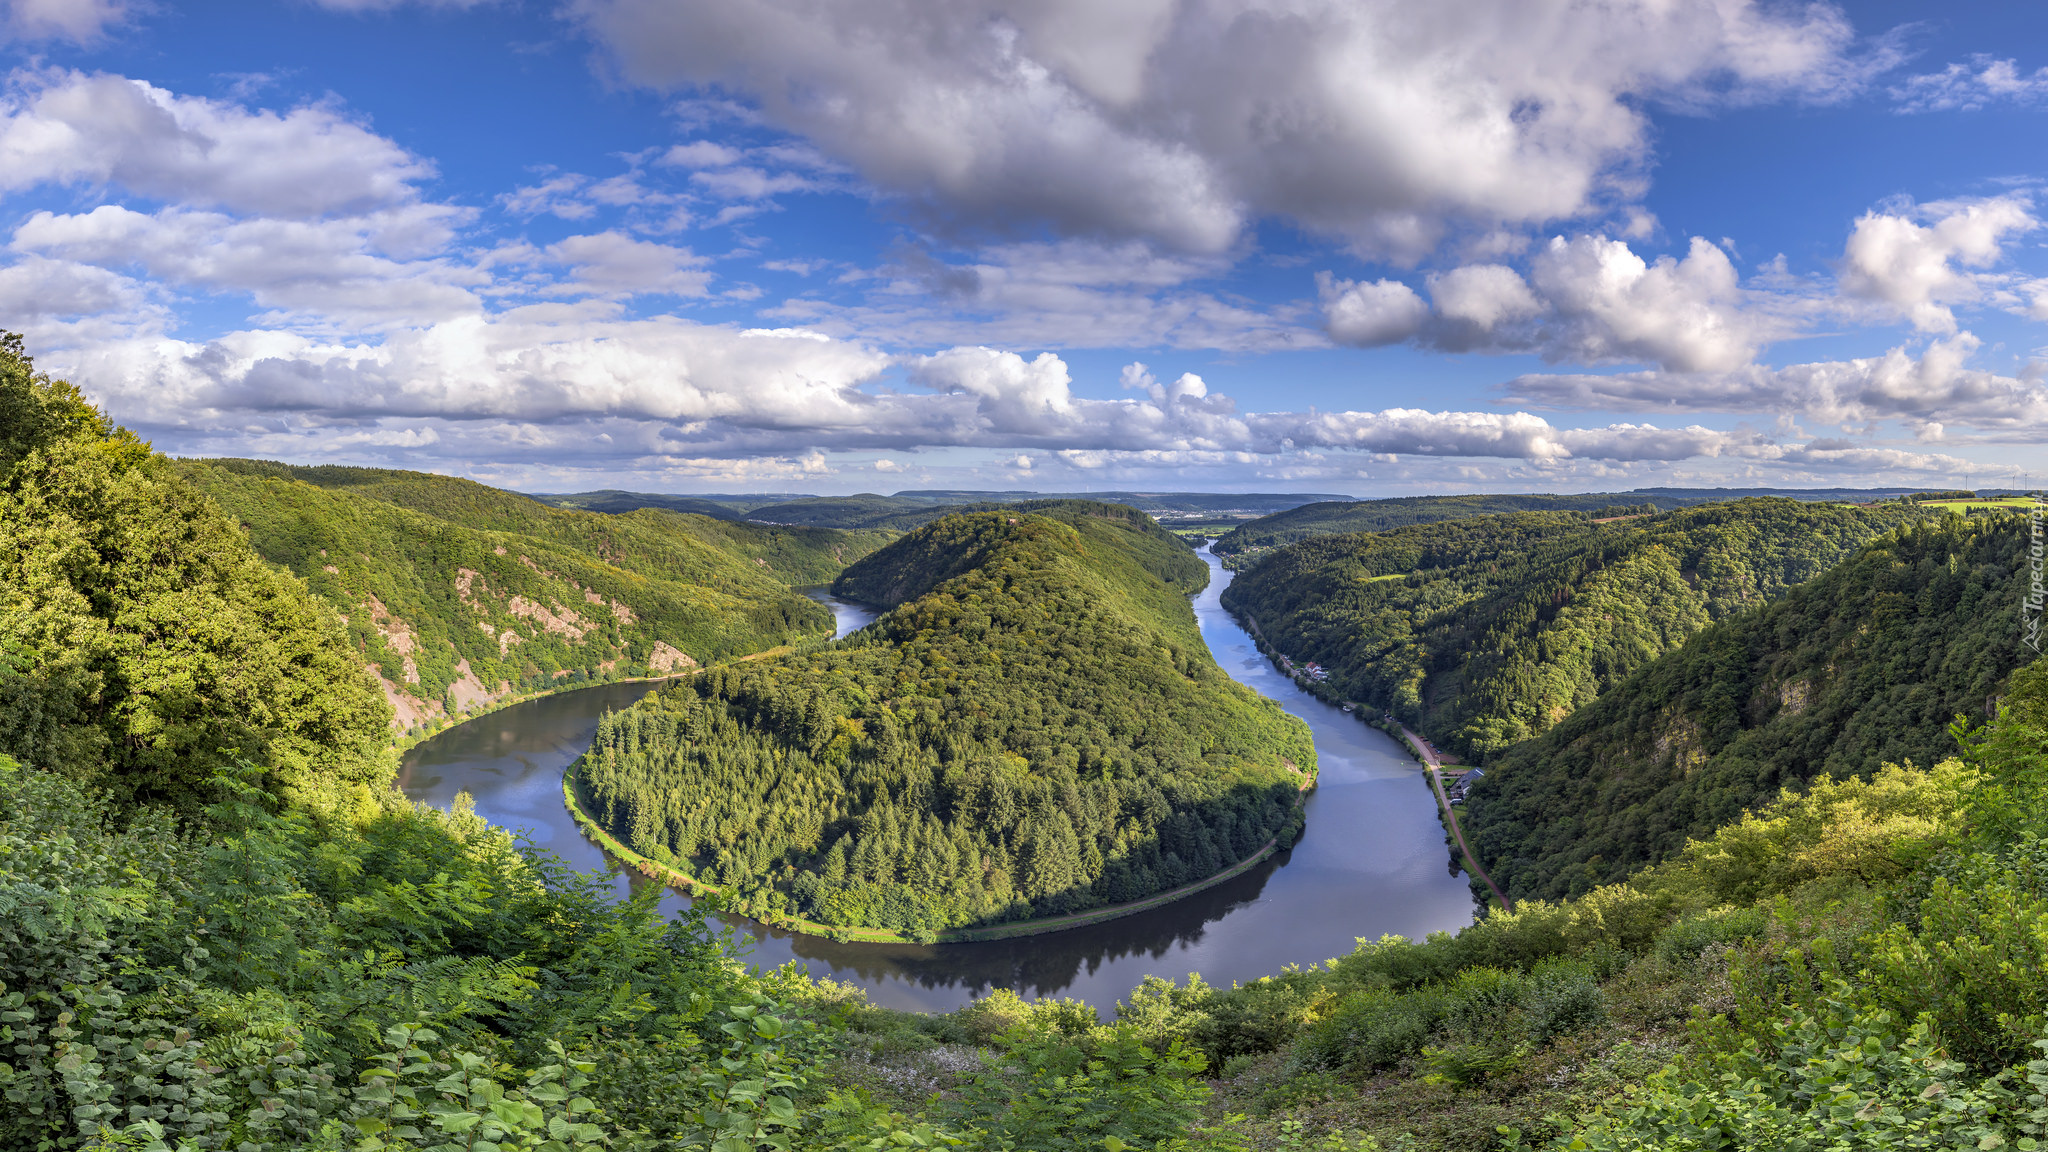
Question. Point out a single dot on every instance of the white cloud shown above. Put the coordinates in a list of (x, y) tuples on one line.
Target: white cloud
[(1072, 293), (1984, 81), (750, 183), (79, 21), (512, 367), (333, 270), (612, 263), (1589, 299), (1685, 314), (1516, 435), (36, 288), (702, 154), (1379, 123), (1910, 268), (1368, 315), (75, 129), (1478, 299), (1937, 388), (559, 196)]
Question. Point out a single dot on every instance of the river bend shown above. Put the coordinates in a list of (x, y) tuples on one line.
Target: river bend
[(1371, 861)]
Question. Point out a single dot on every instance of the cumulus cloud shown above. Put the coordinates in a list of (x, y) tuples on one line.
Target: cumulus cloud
[(1934, 389), (1910, 268), (670, 388), (512, 367), (1379, 123), (1589, 299), (1369, 315), (1984, 81), (81, 130)]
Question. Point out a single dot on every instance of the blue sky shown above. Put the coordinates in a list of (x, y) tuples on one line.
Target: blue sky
[(1321, 245)]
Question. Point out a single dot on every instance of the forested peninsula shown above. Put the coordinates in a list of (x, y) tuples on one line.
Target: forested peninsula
[(1484, 632), (1036, 728), (460, 594)]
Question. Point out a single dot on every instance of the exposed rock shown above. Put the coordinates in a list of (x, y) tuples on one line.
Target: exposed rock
[(665, 658), (561, 621)]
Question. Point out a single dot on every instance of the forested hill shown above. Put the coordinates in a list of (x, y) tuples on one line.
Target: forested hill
[(1344, 516), (1039, 730), (459, 593), (636, 537), (1865, 665), (1484, 632), (927, 559)]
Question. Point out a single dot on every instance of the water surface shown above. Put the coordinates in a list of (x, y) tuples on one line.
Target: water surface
[(1372, 860)]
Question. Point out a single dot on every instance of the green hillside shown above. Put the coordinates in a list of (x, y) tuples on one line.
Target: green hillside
[(1481, 633), (612, 500), (639, 538), (1336, 517), (1865, 665), (1035, 729), (460, 594)]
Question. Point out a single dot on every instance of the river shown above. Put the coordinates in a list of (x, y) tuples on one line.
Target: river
[(1372, 860)]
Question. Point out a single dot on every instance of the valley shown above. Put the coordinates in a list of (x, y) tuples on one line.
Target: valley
[(1372, 858), (1764, 785)]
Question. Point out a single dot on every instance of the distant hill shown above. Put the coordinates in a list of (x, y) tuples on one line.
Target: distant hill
[(1337, 517), (1485, 631), (908, 509), (458, 593), (615, 501), (1035, 728), (1345, 515), (1864, 665)]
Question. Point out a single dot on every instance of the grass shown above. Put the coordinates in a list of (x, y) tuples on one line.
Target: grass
[(1966, 505)]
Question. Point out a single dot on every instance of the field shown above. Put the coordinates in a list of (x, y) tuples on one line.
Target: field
[(1969, 505)]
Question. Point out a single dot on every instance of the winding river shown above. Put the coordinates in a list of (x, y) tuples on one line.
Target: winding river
[(1372, 860)]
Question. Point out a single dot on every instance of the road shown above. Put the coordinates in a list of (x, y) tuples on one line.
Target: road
[(1430, 764)]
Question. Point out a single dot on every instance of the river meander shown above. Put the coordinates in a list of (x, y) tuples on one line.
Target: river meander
[(1372, 860)]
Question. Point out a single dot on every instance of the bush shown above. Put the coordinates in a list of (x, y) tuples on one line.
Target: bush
[(1683, 943)]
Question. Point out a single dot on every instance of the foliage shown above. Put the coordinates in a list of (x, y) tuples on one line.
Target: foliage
[(1865, 665), (1503, 625), (1340, 517), (657, 541), (459, 593), (142, 642), (1036, 729)]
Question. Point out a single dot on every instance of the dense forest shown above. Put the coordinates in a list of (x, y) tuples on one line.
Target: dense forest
[(1037, 728), (1865, 665), (460, 593), (144, 645), (1484, 632)]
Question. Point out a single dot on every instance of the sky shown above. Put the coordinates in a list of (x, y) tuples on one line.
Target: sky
[(1347, 246)]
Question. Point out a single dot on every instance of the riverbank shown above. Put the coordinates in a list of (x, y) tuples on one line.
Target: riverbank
[(694, 888), (407, 741), (1398, 731), (1431, 764)]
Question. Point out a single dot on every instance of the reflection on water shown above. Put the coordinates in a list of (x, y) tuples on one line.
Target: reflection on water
[(1372, 861)]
